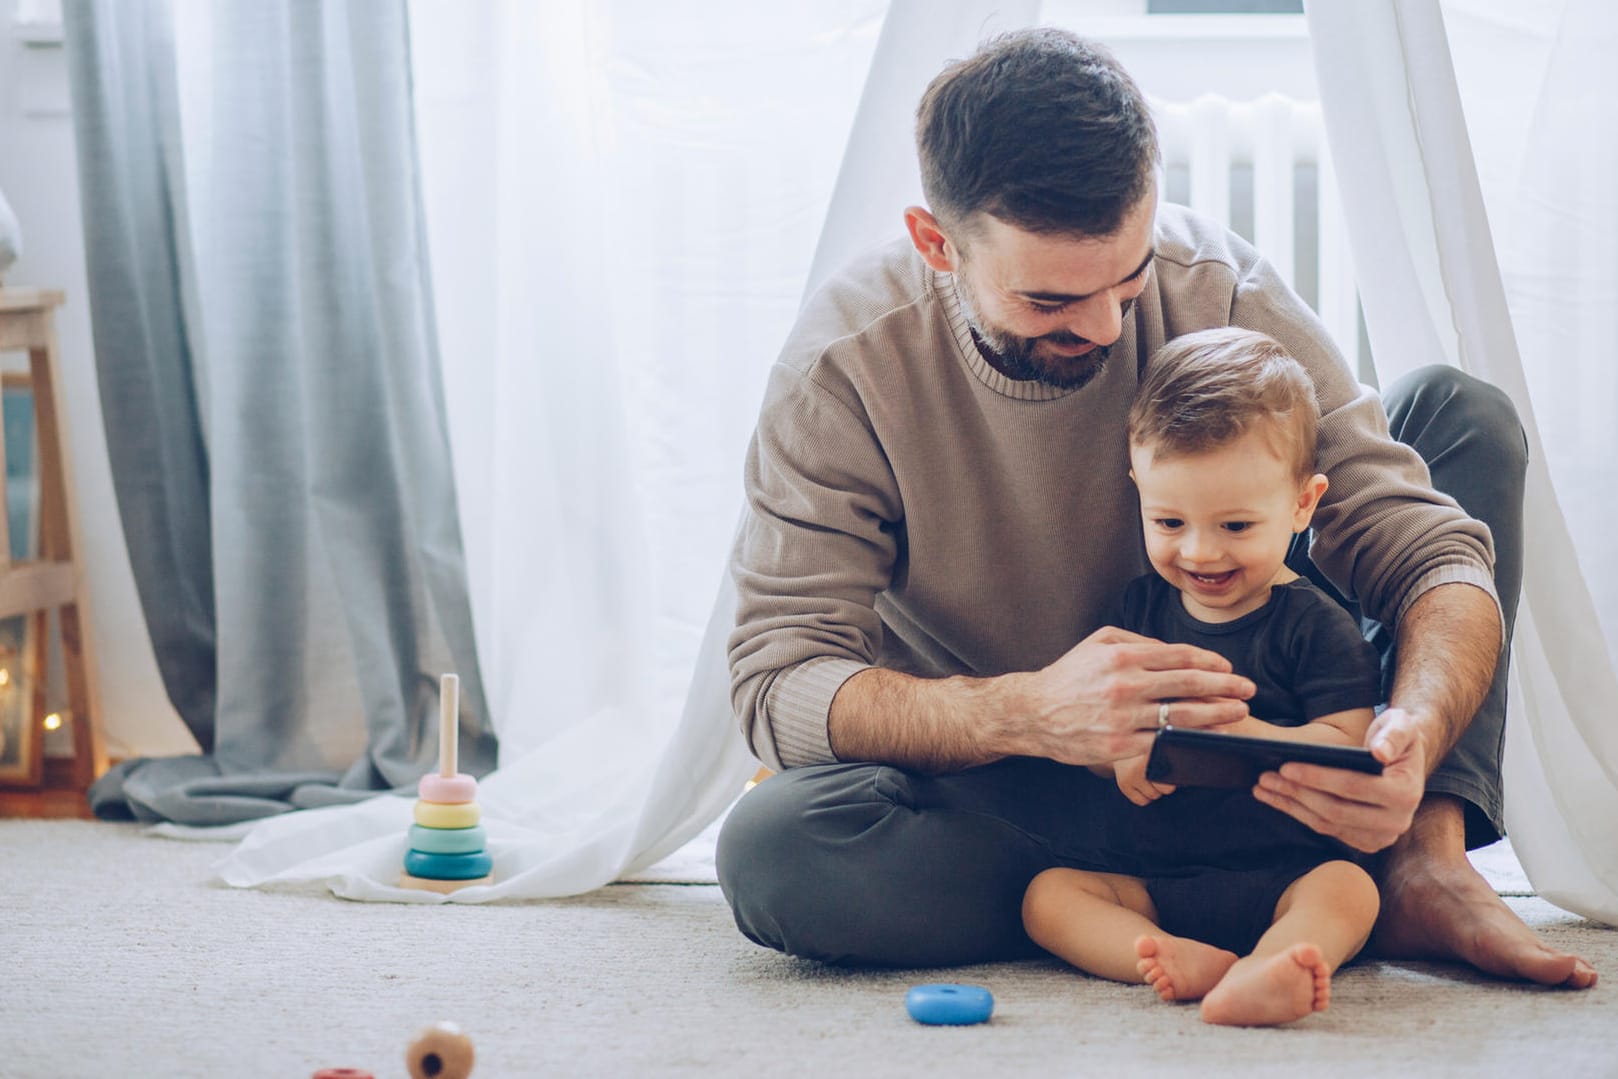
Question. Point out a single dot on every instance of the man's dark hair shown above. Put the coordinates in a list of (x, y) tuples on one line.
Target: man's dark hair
[(1041, 129)]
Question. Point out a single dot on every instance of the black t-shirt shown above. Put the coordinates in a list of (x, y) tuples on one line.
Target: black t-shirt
[(1302, 650), (1307, 659)]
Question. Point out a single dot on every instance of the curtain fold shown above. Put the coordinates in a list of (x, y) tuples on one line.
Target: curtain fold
[(149, 367), (260, 298), (1416, 214)]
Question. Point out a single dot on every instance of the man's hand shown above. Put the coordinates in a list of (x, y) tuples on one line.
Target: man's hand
[(1099, 701), (1366, 812), (1131, 775)]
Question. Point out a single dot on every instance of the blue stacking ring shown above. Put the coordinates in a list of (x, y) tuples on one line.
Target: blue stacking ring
[(448, 866), (447, 840), (949, 1005)]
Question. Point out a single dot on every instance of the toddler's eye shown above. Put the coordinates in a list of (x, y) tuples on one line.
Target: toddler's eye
[(1238, 526), (1168, 524)]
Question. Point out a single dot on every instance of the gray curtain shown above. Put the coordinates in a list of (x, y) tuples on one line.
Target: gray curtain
[(269, 380)]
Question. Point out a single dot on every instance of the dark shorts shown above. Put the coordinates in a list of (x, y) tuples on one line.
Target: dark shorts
[(1215, 862), (1228, 908)]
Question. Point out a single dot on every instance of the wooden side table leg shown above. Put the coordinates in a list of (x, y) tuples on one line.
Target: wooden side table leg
[(60, 541), (89, 752), (36, 664)]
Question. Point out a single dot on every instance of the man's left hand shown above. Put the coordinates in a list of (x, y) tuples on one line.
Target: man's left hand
[(1366, 812)]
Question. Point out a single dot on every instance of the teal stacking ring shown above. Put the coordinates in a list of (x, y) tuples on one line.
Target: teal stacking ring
[(447, 840), (448, 866), (949, 1005)]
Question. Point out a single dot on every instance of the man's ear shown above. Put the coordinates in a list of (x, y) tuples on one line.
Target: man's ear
[(937, 250), (1308, 500)]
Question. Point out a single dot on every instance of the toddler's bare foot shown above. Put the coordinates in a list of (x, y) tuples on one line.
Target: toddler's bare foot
[(1269, 991), (1181, 969)]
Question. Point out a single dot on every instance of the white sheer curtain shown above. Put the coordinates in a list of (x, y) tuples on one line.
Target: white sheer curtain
[(622, 201), (611, 286), (1547, 124)]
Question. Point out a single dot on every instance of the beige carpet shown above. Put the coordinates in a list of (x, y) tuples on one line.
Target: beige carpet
[(120, 957)]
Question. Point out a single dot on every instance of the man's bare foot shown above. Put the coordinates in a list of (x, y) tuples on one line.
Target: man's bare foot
[(1269, 991), (1181, 969), (1435, 905)]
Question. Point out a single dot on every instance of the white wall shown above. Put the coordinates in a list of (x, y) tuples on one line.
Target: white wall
[(39, 175)]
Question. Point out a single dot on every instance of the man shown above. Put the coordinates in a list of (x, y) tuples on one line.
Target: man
[(940, 515)]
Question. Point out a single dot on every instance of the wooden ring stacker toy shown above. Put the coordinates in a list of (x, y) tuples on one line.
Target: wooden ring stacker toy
[(446, 844)]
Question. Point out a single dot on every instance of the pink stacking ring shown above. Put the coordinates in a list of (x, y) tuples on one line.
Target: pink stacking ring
[(448, 790)]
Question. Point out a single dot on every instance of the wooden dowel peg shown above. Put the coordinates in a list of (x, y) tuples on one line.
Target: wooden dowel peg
[(449, 708)]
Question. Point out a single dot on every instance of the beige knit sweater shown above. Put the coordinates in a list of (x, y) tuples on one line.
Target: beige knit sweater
[(910, 507)]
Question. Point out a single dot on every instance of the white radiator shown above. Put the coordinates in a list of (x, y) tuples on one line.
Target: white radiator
[(1263, 168)]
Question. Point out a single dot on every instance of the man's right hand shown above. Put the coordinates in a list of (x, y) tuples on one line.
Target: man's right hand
[(1099, 701)]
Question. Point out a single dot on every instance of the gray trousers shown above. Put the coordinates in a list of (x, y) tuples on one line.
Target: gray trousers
[(870, 864)]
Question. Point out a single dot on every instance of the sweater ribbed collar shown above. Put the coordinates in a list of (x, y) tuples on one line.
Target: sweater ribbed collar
[(949, 301)]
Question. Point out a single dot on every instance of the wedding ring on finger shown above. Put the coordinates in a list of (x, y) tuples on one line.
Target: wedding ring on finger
[(1162, 714)]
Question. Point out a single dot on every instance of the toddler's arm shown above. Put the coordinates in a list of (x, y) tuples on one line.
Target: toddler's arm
[(1346, 728)]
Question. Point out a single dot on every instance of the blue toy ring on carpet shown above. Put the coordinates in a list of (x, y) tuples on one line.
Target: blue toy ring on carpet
[(949, 1005)]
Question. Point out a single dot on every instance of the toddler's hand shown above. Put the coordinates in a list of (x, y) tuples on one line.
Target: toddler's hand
[(1131, 774)]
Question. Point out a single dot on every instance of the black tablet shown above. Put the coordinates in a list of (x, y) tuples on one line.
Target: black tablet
[(1193, 758)]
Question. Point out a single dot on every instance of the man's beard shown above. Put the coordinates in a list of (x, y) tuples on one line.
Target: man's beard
[(1015, 357)]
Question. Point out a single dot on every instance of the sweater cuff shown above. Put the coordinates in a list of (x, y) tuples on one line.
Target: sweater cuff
[(1456, 573), (798, 705)]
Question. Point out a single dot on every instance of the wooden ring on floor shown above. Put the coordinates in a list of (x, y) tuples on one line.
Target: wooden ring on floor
[(442, 1051)]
